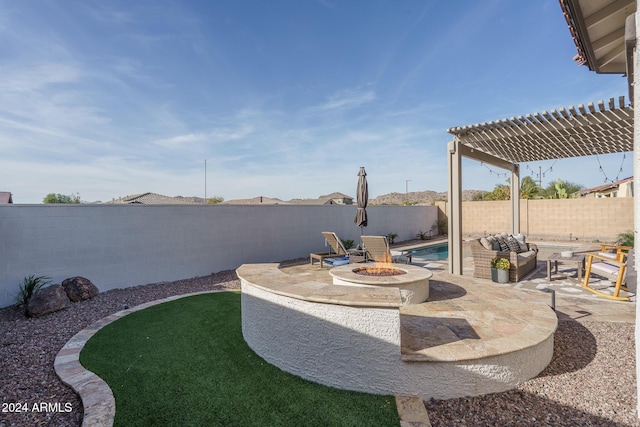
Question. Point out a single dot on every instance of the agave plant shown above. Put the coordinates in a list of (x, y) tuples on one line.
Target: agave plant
[(422, 235), (347, 243), (30, 285)]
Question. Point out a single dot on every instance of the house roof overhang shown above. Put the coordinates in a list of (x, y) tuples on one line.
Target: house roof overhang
[(604, 34), (600, 128)]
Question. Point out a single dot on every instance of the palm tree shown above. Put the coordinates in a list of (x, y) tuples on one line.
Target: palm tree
[(529, 189)]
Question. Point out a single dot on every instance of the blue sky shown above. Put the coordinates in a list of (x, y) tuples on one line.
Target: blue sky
[(282, 98)]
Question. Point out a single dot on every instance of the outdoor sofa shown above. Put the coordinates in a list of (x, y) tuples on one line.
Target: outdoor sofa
[(522, 255)]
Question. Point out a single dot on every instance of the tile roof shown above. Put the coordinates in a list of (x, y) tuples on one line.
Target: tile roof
[(153, 199), (606, 186)]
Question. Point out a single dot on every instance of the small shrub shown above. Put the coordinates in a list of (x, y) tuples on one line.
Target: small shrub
[(348, 244), (443, 226), (422, 235), (391, 237), (30, 285), (625, 239), (500, 263)]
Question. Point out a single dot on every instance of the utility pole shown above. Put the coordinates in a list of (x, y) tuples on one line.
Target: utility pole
[(406, 191), (540, 176), (205, 181)]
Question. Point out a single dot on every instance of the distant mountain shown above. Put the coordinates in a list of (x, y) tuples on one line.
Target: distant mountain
[(426, 197)]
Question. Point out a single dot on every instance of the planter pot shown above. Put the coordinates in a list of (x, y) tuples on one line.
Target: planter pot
[(500, 276)]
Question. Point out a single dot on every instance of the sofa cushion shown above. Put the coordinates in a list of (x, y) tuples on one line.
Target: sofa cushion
[(606, 267), (523, 256)]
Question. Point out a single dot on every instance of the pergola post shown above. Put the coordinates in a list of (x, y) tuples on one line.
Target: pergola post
[(635, 26), (515, 199), (454, 209)]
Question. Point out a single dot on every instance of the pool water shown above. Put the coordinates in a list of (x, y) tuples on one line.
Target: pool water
[(437, 252)]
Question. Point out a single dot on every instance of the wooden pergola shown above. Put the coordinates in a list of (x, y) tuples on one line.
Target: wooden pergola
[(601, 128)]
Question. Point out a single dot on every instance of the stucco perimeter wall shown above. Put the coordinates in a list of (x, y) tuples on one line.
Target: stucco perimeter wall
[(585, 219), (117, 246), (358, 348)]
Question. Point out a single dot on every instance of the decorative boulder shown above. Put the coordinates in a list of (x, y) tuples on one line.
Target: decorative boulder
[(47, 300), (79, 288)]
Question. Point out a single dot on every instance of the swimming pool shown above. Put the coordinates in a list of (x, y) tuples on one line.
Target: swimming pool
[(437, 252)]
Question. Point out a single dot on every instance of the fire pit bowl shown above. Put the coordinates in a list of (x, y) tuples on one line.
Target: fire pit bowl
[(380, 270), (411, 281)]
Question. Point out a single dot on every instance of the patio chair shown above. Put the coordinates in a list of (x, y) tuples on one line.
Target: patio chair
[(336, 249), (377, 249), (613, 268)]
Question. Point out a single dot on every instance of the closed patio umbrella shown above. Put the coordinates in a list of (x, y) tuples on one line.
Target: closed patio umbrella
[(362, 194)]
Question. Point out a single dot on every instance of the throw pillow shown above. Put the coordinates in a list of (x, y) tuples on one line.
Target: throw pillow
[(486, 243), (521, 238), (513, 244), (502, 242)]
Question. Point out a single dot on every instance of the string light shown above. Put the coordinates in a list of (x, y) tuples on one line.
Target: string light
[(542, 173), (606, 178), (491, 171)]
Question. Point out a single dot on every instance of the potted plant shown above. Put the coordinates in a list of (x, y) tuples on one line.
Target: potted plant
[(500, 270)]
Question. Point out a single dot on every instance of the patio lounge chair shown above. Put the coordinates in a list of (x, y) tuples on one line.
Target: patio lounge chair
[(613, 268), (377, 249), (336, 250)]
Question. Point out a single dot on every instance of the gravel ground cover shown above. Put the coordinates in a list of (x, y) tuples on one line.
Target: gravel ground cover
[(590, 381), (28, 348)]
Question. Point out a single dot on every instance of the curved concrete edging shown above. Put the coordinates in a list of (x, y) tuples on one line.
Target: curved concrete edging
[(97, 398)]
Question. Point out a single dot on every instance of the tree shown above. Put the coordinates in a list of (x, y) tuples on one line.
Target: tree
[(500, 192), (529, 189), (215, 200), (57, 198), (62, 198), (560, 189)]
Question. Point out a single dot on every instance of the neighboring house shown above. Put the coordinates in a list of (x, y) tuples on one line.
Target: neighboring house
[(155, 199), (622, 188), (5, 197), (260, 200), (329, 199), (336, 199)]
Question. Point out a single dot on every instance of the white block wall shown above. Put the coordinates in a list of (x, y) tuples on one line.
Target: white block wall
[(117, 246)]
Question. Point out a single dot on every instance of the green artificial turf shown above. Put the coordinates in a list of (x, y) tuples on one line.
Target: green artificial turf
[(185, 363)]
